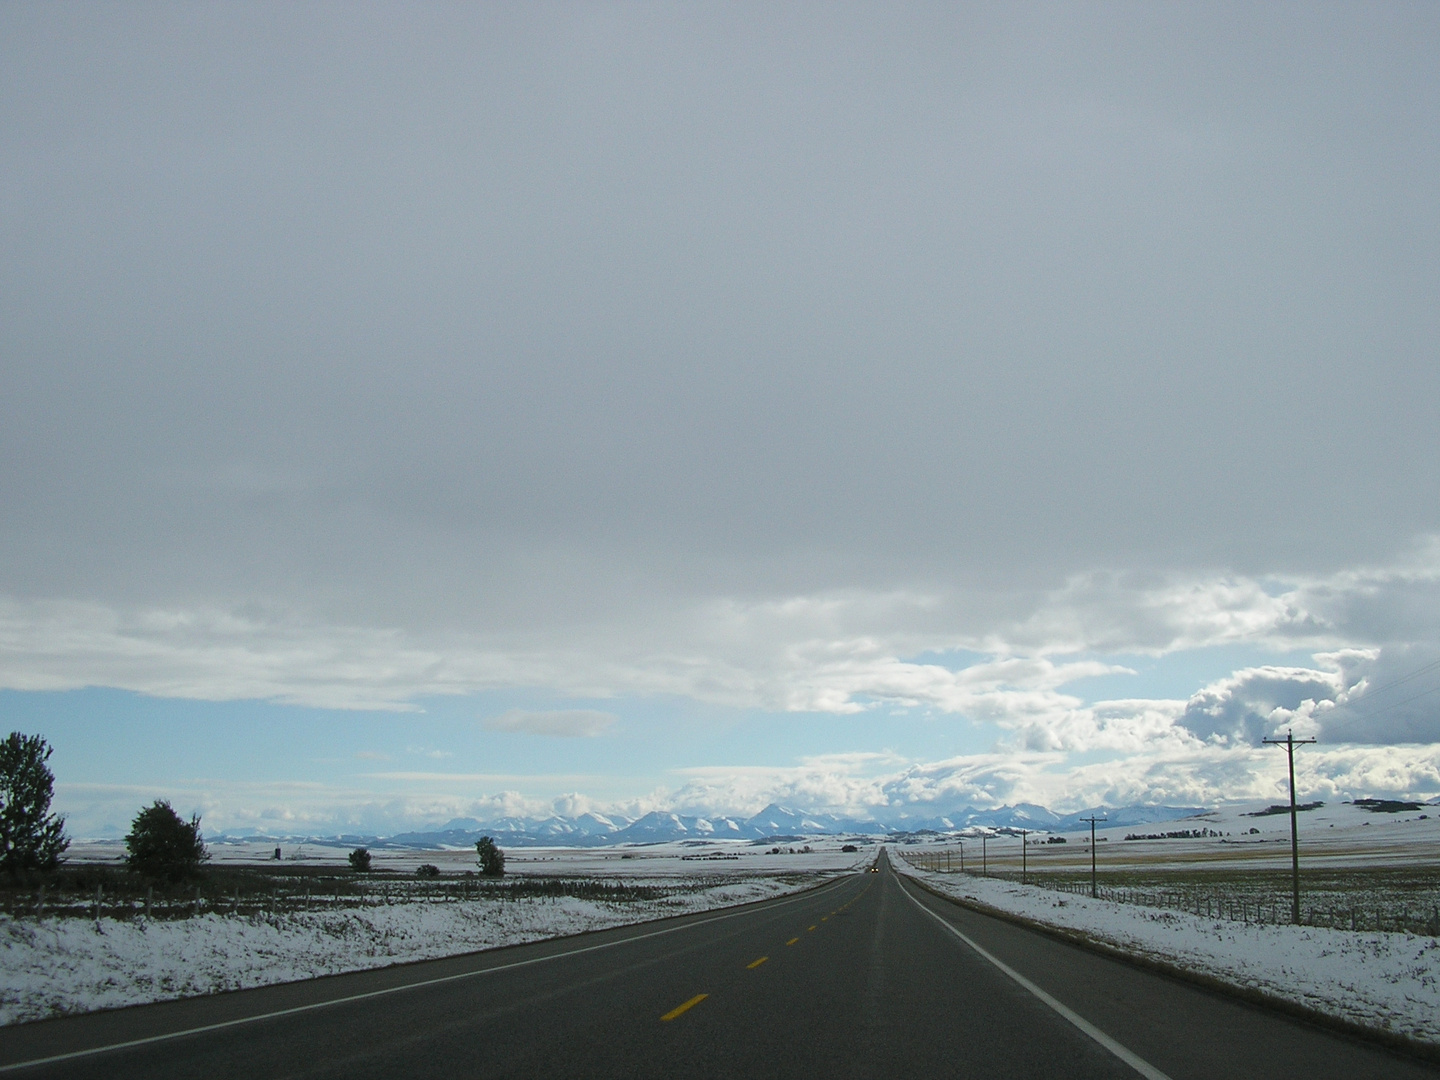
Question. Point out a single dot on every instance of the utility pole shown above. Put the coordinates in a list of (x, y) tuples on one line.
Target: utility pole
[(984, 865), (1092, 819), (1023, 853), (962, 856), (1289, 743)]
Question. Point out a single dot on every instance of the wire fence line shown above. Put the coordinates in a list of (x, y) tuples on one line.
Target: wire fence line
[(1372, 899), (110, 894)]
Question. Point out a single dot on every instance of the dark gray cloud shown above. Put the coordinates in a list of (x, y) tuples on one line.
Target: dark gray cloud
[(1398, 702), (505, 319)]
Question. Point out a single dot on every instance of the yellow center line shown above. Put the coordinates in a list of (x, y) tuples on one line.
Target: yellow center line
[(757, 963), (809, 928), (792, 941), (684, 1008)]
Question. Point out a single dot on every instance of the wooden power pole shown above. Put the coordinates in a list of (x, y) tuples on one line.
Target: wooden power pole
[(1092, 819), (1289, 743)]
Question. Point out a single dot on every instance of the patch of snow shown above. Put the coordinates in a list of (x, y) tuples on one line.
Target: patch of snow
[(60, 966)]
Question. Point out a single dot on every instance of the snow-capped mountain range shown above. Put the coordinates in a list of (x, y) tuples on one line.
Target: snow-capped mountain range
[(593, 830)]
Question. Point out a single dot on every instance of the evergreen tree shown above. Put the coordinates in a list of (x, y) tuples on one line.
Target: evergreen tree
[(163, 845), (360, 860), (491, 858), (31, 838)]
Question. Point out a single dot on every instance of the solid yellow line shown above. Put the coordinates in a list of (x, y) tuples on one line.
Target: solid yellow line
[(683, 1008), (757, 963), (792, 941)]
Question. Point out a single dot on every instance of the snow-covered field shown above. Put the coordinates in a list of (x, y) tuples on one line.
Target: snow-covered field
[(1334, 835), (58, 966), (1389, 981), (1384, 980)]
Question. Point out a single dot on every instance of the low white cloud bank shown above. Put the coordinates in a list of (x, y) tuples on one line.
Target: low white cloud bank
[(860, 785)]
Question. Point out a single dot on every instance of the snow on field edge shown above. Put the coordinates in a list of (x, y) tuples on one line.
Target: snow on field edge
[(1389, 981), (61, 966)]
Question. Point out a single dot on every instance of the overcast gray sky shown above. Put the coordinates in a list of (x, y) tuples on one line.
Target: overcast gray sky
[(742, 353)]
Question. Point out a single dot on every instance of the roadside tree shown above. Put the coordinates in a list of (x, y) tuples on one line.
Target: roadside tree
[(491, 859), (360, 860), (31, 838)]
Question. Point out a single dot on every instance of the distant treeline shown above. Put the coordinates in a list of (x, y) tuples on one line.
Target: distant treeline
[(1279, 809)]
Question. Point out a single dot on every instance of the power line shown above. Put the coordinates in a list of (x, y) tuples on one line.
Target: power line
[(1373, 691), (1353, 705)]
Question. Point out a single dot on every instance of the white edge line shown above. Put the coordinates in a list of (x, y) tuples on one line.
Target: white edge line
[(1139, 1064), (778, 901)]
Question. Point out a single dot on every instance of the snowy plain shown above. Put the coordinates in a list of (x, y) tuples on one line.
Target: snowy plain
[(1384, 980)]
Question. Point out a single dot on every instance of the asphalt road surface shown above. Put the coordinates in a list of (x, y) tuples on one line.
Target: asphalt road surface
[(865, 977)]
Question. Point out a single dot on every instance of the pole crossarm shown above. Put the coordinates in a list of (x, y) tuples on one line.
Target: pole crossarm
[(1289, 743)]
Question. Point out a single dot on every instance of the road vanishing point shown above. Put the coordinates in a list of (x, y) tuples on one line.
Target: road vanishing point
[(865, 976)]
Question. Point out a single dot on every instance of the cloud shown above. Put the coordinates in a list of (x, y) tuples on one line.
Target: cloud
[(860, 785), (1259, 702), (249, 465), (843, 651), (1390, 697), (829, 467), (559, 723)]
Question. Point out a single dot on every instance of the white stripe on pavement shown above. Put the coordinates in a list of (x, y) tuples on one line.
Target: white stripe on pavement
[(1135, 1061)]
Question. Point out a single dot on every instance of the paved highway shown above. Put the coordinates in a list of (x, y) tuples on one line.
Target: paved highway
[(865, 977)]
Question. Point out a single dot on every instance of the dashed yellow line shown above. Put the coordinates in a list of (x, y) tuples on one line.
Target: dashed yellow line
[(792, 941), (673, 1013), (809, 928), (757, 963)]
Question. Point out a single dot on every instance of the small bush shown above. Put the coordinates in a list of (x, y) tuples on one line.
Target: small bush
[(427, 870), (360, 860)]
